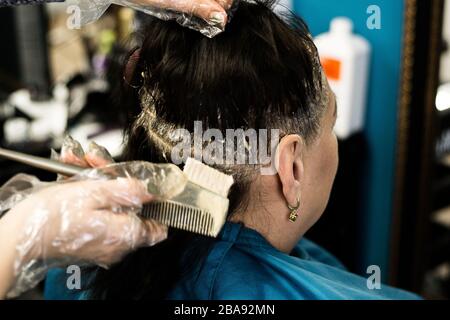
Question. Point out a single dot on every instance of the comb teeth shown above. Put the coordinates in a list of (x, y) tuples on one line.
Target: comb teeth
[(207, 177), (181, 216)]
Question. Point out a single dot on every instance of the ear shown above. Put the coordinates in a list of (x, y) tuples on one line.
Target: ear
[(290, 166)]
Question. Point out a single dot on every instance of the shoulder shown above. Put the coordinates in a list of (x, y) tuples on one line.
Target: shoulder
[(240, 273), (241, 276), (250, 269), (311, 250)]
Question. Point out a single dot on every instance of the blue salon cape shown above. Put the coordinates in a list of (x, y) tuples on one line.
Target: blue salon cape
[(244, 265)]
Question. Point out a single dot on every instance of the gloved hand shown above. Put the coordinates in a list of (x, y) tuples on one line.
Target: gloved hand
[(88, 221), (72, 153), (206, 16), (208, 10)]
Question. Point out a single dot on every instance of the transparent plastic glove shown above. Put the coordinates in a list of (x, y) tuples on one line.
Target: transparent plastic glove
[(91, 218), (21, 185), (72, 153), (206, 16), (17, 189), (163, 180)]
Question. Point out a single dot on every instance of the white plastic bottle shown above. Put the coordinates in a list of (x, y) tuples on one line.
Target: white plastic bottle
[(345, 58)]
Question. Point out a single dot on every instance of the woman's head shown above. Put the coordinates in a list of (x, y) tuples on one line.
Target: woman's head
[(261, 73)]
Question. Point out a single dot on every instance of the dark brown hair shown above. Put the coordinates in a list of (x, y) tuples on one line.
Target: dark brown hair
[(262, 72)]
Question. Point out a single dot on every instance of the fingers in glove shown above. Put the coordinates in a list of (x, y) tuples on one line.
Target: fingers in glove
[(98, 156), (208, 10), (72, 152), (124, 233), (113, 194)]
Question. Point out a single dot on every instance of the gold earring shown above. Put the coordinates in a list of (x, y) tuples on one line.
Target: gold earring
[(294, 210)]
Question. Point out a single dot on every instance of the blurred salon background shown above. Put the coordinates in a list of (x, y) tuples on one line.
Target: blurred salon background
[(388, 62)]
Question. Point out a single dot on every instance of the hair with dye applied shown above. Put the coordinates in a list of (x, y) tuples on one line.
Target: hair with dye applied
[(262, 72)]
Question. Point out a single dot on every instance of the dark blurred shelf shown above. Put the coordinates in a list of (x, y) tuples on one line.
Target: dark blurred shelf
[(441, 186), (439, 245)]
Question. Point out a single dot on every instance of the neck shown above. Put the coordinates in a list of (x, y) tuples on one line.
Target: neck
[(267, 213), (273, 224)]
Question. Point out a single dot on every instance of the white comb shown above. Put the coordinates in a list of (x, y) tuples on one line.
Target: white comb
[(202, 206), (207, 177)]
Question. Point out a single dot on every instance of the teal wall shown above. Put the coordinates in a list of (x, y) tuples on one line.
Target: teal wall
[(381, 116)]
